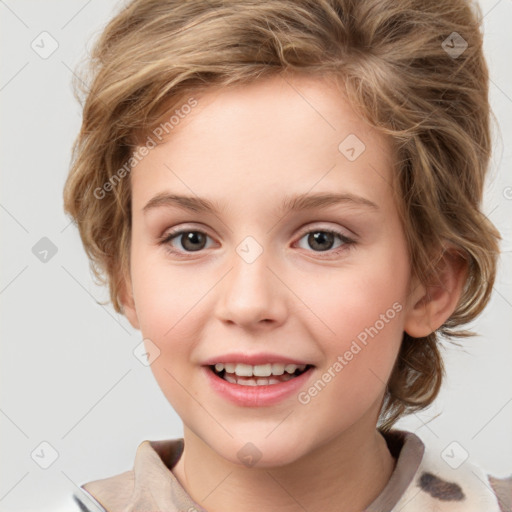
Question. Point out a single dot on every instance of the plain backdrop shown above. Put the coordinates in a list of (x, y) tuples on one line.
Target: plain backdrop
[(69, 378)]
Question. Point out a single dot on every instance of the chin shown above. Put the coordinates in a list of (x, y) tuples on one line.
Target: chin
[(258, 452)]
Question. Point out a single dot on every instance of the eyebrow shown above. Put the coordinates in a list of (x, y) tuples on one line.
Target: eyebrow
[(290, 203)]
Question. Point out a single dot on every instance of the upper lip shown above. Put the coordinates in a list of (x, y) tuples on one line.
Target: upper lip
[(253, 359)]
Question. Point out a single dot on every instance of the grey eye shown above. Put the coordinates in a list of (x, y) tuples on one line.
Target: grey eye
[(191, 241), (322, 240)]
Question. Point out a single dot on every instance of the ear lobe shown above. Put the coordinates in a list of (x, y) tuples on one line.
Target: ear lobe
[(432, 304), (126, 299)]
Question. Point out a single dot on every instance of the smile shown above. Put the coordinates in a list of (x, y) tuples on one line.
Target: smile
[(258, 375), (256, 391)]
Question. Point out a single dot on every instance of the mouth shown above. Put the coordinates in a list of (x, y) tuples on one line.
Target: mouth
[(266, 375)]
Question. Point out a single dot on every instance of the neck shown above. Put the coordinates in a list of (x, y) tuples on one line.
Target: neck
[(351, 470)]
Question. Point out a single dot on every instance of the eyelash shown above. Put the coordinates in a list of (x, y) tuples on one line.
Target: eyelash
[(166, 239)]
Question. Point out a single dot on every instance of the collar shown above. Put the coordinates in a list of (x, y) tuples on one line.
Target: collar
[(151, 485)]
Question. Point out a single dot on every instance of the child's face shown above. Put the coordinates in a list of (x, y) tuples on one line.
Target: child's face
[(246, 149)]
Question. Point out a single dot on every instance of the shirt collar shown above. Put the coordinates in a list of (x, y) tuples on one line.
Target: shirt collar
[(154, 486)]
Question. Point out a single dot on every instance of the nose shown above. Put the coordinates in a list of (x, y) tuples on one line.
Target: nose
[(251, 295)]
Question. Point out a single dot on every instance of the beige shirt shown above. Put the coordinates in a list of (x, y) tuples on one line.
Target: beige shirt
[(422, 481)]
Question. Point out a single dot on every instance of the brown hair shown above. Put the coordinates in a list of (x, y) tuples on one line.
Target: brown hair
[(405, 67)]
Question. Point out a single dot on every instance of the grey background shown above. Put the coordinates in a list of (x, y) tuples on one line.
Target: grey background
[(68, 373)]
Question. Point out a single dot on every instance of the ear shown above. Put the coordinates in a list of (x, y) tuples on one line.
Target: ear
[(431, 304), (128, 303)]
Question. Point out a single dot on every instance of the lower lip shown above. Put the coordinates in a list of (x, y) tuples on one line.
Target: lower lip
[(256, 396)]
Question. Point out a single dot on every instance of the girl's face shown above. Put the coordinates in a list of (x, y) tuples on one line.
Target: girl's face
[(325, 283)]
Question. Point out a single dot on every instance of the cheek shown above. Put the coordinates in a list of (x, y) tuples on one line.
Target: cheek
[(361, 309), (167, 301), (168, 305), (164, 292), (347, 300)]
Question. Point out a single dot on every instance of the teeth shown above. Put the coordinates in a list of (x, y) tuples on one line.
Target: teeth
[(260, 370), (230, 379), (229, 367), (243, 370), (256, 382), (290, 368), (277, 369)]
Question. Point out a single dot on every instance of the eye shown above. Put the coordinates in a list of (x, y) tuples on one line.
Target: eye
[(190, 240), (193, 240), (322, 240)]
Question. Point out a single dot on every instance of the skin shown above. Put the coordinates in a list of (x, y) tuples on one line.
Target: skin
[(246, 148)]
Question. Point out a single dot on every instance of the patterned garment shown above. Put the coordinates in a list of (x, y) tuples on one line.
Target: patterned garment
[(422, 481)]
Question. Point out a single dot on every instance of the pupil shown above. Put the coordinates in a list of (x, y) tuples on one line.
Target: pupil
[(315, 240), (193, 237)]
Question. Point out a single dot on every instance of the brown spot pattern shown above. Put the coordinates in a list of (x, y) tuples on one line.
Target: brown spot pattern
[(439, 488)]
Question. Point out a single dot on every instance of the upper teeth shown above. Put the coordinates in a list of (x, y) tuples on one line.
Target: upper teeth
[(260, 370)]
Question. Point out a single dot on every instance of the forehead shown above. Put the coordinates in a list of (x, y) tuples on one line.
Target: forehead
[(260, 140)]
